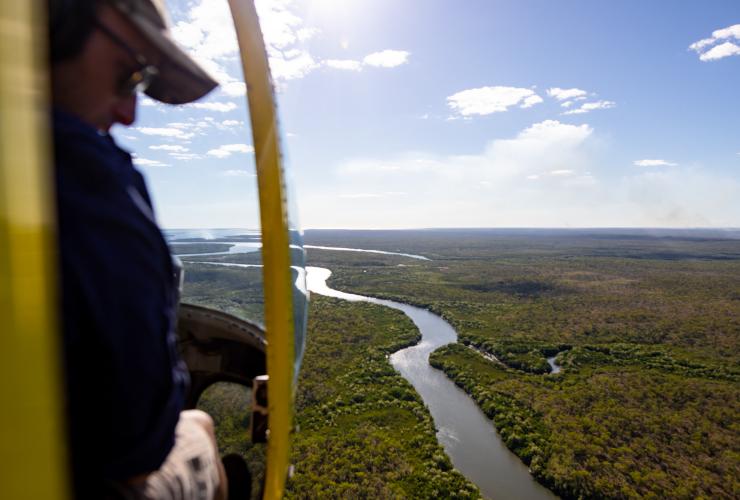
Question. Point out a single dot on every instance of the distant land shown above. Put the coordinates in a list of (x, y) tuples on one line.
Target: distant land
[(643, 323), (658, 232)]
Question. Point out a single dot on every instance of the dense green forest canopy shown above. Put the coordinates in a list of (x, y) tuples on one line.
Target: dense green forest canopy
[(646, 327), (645, 324), (364, 432)]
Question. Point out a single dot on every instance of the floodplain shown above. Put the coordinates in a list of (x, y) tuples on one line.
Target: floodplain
[(645, 326)]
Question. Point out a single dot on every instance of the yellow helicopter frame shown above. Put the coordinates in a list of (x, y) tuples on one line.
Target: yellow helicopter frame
[(32, 431)]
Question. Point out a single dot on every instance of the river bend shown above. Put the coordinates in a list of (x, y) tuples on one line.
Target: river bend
[(467, 435)]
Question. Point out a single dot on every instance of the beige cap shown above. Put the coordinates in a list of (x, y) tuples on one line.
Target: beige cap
[(180, 78)]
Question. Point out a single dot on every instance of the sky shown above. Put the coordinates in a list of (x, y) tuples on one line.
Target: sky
[(461, 113)]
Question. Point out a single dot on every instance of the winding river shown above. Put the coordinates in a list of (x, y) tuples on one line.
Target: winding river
[(467, 435)]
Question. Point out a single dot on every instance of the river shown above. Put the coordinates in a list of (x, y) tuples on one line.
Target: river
[(254, 246), (467, 435)]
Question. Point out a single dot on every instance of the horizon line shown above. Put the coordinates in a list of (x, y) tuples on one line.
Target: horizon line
[(562, 228)]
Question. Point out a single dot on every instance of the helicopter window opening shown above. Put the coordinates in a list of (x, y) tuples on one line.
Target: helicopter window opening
[(229, 404)]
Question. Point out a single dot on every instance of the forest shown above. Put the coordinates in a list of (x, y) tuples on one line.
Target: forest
[(644, 325), (363, 431)]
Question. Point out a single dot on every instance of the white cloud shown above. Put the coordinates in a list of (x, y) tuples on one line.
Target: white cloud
[(234, 89), (285, 32), (729, 32), (566, 104), (193, 126), (542, 146), (566, 94), (550, 132), (165, 132), (228, 149), (291, 65), (147, 101), (305, 34), (509, 182), (191, 34), (385, 194), (487, 100), (143, 162), (387, 58), (347, 64), (237, 173), (722, 50), (531, 101), (231, 123), (183, 131), (207, 32), (514, 182), (382, 59), (223, 107), (590, 106), (186, 156), (281, 27), (361, 195), (719, 51), (170, 147), (654, 163)]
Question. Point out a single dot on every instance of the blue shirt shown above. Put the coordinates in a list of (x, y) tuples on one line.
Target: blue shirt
[(125, 381)]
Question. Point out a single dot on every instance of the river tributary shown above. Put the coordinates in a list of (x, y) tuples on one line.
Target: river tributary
[(467, 435)]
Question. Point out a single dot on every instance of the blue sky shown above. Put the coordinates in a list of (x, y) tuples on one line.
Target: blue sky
[(441, 113)]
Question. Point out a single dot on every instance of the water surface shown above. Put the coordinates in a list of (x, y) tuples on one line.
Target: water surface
[(382, 252), (553, 364), (467, 435)]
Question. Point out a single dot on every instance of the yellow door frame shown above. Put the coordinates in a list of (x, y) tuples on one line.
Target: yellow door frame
[(33, 463), (278, 286)]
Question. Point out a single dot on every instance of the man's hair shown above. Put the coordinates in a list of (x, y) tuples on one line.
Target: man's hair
[(70, 24)]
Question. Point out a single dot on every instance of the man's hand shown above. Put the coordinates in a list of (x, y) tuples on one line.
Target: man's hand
[(192, 471), (205, 422)]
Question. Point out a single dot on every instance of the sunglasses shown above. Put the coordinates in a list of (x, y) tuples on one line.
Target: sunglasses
[(140, 77)]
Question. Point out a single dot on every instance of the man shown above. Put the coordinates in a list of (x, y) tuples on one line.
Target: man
[(125, 381)]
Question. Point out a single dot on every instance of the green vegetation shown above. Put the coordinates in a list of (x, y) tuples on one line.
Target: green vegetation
[(527, 356), (647, 330), (609, 432), (364, 432), (233, 290), (229, 405)]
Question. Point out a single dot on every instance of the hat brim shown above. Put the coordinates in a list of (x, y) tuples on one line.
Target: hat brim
[(181, 79)]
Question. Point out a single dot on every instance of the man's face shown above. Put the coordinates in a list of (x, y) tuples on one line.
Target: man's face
[(88, 86)]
